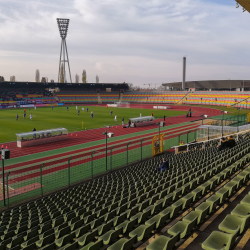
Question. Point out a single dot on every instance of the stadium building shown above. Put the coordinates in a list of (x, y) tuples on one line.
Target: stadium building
[(97, 166)]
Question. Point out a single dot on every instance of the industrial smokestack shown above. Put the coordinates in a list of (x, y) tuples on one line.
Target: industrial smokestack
[(184, 73)]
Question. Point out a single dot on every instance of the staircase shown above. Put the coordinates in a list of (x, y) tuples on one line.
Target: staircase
[(99, 98), (121, 95), (240, 102), (184, 98), (56, 98)]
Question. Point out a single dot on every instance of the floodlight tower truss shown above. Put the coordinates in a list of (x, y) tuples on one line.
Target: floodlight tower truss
[(63, 25)]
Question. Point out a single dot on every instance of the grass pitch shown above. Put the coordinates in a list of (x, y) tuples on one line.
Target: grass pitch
[(59, 117)]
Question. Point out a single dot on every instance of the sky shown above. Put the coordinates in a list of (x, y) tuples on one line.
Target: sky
[(133, 41)]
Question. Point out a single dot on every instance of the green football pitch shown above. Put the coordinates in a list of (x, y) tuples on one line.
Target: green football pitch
[(59, 117)]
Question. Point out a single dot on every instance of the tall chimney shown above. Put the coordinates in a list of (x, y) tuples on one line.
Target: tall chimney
[(184, 73)]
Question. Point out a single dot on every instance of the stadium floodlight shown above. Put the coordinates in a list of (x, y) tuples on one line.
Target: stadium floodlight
[(237, 5), (63, 26)]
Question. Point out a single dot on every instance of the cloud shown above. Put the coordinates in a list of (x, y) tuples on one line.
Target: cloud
[(126, 40)]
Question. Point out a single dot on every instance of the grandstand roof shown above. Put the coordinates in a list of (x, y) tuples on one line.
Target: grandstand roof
[(245, 4), (212, 84)]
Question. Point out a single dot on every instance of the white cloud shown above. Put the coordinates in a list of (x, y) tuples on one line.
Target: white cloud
[(125, 40)]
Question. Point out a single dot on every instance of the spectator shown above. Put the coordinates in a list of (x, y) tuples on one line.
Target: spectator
[(181, 143), (129, 123), (165, 165), (223, 144), (230, 142)]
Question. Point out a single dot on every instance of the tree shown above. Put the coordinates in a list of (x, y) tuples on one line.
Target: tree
[(97, 79), (37, 77), (62, 73), (77, 78), (84, 76)]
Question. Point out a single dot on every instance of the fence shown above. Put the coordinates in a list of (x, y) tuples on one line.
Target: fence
[(24, 182)]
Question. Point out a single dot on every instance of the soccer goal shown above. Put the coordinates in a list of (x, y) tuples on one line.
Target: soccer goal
[(123, 104)]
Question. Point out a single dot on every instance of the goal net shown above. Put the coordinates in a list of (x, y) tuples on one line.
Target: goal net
[(123, 104)]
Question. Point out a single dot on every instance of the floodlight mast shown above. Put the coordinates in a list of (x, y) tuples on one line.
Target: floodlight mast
[(63, 25)]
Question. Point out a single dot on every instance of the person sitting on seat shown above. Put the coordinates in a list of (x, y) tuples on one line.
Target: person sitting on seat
[(165, 165), (230, 141), (223, 144), (181, 143)]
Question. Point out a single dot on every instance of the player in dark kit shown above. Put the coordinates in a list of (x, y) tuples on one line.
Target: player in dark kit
[(17, 117), (78, 112)]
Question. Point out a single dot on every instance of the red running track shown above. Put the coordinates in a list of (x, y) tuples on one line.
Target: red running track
[(63, 158), (96, 134), (65, 165)]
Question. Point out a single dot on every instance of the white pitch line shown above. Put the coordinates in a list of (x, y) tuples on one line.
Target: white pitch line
[(6, 186)]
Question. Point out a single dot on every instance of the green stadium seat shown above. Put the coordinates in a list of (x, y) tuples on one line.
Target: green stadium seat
[(141, 216), (123, 244), (127, 225), (45, 241), (17, 240), (246, 200), (241, 210), (70, 246), (142, 231), (87, 238), (110, 236), (219, 240), (66, 239), (184, 228), (164, 243), (82, 230), (232, 223), (213, 202), (93, 246)]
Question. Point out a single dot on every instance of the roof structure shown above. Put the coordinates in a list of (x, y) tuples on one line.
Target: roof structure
[(211, 84), (245, 4)]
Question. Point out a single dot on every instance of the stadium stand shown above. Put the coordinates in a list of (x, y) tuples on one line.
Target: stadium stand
[(126, 207), (217, 98), (153, 97), (76, 97), (110, 97)]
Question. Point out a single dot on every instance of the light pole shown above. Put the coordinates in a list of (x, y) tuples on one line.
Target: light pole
[(106, 134), (5, 154), (223, 120), (239, 109), (106, 143), (63, 25), (111, 158)]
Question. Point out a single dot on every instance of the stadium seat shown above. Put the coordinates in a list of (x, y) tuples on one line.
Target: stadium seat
[(219, 240), (164, 243)]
